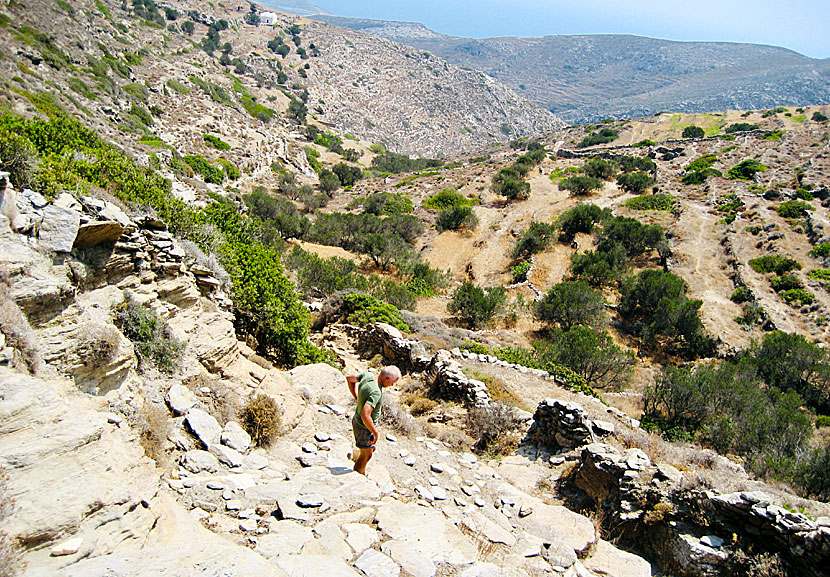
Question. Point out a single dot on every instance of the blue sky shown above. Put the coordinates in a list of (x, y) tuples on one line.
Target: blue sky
[(801, 25)]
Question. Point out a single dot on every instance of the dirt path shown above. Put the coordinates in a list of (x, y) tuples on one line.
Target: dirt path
[(700, 260)]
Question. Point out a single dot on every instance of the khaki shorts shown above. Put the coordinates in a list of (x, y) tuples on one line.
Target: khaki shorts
[(363, 437)]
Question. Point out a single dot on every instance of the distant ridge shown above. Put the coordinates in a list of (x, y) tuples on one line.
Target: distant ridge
[(589, 77)]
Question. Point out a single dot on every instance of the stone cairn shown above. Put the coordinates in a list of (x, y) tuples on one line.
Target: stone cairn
[(565, 425)]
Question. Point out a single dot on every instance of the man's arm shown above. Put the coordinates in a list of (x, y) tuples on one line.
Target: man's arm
[(366, 415), (352, 381)]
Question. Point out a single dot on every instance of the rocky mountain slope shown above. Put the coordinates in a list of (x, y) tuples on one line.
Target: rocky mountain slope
[(587, 78), (94, 57)]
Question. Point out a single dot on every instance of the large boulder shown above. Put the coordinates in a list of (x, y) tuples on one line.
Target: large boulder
[(59, 228)]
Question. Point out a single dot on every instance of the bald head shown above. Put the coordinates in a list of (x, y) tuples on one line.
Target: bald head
[(389, 376)]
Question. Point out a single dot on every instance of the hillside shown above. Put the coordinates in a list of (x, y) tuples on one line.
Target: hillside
[(587, 78)]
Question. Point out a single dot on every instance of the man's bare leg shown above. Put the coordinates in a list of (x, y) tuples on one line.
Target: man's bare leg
[(362, 459)]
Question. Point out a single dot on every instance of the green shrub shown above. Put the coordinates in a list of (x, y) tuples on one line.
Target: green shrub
[(790, 363), (632, 163), (137, 91), (740, 127), (774, 135), (520, 271), (742, 294), (177, 86), (534, 240), (476, 306), (798, 296), (592, 354), (603, 136), (457, 218), (579, 219), (635, 182), (822, 421), (445, 199), (153, 340), (363, 310), (746, 169), (774, 263), (230, 169), (260, 417), (397, 163), (643, 143), (571, 303), (693, 132), (785, 282), (662, 202), (599, 168), (216, 142), (655, 306), (820, 250), (701, 163), (600, 268), (347, 174), (821, 274), (479, 349), (580, 185), (793, 209), (804, 194), (387, 203), (818, 117), (535, 359), (204, 168)]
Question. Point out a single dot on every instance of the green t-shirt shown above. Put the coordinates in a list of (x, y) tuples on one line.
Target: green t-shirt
[(368, 391)]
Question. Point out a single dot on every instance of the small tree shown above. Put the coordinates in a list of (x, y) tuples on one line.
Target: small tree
[(599, 168), (580, 218), (571, 303), (476, 306), (457, 218), (329, 181), (580, 185), (297, 110), (536, 239), (693, 132), (347, 173), (591, 354), (635, 182)]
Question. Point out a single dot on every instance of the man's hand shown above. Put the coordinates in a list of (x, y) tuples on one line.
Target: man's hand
[(366, 416)]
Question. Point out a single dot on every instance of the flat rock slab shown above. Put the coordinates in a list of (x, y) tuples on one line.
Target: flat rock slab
[(428, 531), (376, 564), (235, 437), (555, 523), (319, 378), (96, 233), (285, 538), (608, 560), (180, 399), (410, 558), (479, 524), (314, 566), (203, 426), (198, 460)]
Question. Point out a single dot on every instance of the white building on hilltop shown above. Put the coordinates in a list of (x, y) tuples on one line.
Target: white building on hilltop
[(268, 18)]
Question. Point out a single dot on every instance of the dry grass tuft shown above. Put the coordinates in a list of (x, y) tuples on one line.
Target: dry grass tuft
[(418, 403), (18, 333), (97, 343), (497, 428), (260, 417), (154, 426), (392, 415)]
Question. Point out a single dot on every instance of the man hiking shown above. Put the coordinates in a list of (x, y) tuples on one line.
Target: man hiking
[(368, 393)]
